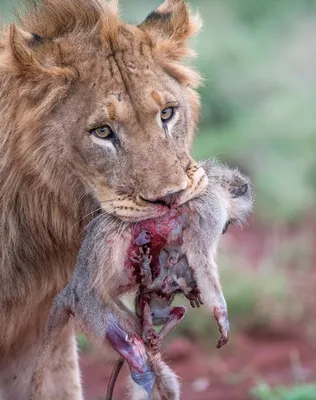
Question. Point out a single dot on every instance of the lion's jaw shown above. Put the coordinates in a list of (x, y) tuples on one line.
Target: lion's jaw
[(131, 209), (117, 75)]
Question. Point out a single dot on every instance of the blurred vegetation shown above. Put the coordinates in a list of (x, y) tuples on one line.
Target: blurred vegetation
[(258, 60), (300, 392), (83, 343)]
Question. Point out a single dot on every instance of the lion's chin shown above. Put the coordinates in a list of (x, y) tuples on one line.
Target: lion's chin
[(136, 213), (152, 213)]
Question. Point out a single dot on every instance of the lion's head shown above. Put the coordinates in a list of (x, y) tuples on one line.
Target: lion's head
[(104, 104)]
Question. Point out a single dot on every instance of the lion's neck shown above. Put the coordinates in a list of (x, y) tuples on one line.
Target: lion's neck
[(41, 233)]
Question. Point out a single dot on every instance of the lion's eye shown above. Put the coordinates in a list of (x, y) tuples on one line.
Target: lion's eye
[(167, 114), (103, 132)]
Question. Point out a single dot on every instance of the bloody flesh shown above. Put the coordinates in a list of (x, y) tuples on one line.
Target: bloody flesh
[(156, 233)]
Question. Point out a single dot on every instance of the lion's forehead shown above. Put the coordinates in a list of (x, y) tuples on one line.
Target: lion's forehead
[(126, 72), (129, 63)]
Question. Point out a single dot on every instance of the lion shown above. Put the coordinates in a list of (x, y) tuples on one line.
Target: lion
[(96, 115)]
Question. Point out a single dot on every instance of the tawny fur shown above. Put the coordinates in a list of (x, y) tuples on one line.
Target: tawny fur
[(70, 66)]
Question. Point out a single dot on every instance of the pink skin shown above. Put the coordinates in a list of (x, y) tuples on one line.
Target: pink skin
[(131, 348), (164, 283)]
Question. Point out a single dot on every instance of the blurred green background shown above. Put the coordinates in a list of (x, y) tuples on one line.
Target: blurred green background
[(258, 58)]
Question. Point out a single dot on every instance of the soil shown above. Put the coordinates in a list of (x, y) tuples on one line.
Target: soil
[(215, 376)]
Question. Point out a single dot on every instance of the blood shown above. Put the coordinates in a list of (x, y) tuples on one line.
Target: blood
[(156, 233), (178, 312), (164, 283)]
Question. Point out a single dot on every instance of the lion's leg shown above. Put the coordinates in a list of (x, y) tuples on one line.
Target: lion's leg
[(56, 335), (16, 372), (62, 376)]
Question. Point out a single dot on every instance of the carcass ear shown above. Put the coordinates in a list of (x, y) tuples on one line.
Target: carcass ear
[(172, 21)]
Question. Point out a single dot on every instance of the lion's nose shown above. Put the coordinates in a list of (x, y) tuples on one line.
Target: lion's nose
[(167, 199)]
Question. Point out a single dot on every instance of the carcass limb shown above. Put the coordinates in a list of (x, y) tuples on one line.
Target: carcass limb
[(129, 346), (143, 260), (194, 296), (223, 324), (175, 315)]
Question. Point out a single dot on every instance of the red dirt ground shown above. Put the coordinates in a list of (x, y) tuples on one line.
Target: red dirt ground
[(215, 377)]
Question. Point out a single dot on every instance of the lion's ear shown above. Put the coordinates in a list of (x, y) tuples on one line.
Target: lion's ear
[(172, 22), (27, 54), (21, 44)]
